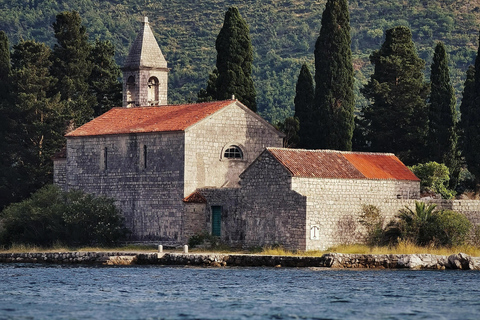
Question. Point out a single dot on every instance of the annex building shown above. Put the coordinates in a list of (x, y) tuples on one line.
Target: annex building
[(218, 167)]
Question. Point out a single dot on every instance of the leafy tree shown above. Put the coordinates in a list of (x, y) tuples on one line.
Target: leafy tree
[(394, 121), (470, 109), (442, 116), (290, 127), (73, 218), (234, 63), (434, 177), (372, 220), (72, 67), (334, 100), (103, 79), (303, 107)]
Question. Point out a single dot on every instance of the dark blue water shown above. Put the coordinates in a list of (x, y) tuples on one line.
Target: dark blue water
[(62, 292)]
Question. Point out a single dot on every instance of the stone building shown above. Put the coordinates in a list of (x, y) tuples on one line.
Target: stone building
[(218, 167)]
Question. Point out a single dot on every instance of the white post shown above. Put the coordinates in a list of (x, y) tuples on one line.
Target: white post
[(185, 249), (160, 248)]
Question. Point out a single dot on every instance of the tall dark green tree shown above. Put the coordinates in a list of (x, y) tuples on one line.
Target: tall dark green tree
[(209, 93), (103, 79), (303, 107), (72, 67), (334, 101), (396, 118), (234, 63), (442, 117), (470, 109), (4, 65), (37, 121), (7, 175)]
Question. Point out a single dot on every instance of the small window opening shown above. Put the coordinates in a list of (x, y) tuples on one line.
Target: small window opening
[(105, 157), (153, 91), (131, 91), (233, 152), (145, 157)]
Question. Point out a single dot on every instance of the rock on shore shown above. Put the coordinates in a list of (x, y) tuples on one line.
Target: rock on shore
[(330, 260)]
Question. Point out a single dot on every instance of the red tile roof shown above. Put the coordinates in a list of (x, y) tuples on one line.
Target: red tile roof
[(342, 165), (149, 119), (195, 197)]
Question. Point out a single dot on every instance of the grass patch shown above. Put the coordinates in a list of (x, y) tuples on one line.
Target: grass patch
[(404, 247)]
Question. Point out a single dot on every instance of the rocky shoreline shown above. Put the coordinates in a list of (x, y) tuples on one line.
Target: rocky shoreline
[(330, 260)]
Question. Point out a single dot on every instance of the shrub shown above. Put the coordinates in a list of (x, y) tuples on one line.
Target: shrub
[(424, 226), (372, 220), (52, 216), (449, 228), (434, 178)]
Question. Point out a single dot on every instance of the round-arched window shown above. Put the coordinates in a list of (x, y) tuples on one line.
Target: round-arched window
[(153, 91), (233, 152), (131, 91)]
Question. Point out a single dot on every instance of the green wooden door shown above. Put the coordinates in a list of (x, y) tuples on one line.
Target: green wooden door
[(216, 220)]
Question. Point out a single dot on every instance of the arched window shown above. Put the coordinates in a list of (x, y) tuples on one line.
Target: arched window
[(153, 91), (131, 91), (233, 152)]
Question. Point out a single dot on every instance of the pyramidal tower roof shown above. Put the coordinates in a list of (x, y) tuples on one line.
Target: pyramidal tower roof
[(145, 51)]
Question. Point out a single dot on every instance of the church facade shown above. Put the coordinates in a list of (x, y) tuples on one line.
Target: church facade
[(218, 167)]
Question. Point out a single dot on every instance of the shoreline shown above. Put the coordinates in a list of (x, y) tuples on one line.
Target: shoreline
[(458, 261)]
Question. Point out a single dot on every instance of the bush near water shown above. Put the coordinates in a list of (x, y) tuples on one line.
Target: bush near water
[(51, 216)]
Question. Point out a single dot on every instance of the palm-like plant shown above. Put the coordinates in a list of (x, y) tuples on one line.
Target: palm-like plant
[(415, 223)]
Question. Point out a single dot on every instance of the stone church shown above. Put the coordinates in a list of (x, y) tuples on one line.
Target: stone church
[(218, 167)]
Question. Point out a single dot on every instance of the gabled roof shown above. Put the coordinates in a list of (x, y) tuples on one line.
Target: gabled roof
[(149, 119), (195, 197), (145, 51), (342, 165)]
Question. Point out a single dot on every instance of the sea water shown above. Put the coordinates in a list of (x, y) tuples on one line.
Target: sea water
[(33, 291)]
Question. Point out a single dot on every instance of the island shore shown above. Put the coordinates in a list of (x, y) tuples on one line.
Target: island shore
[(330, 260)]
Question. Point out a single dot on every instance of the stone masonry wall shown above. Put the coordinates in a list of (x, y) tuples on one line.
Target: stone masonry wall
[(232, 229), (273, 213), (150, 197), (60, 172), (334, 206), (206, 142)]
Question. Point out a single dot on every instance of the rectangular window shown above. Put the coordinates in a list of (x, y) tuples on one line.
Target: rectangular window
[(144, 157), (216, 220), (105, 157)]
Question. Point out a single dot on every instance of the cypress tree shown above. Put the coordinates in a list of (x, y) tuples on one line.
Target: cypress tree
[(4, 65), (103, 79), (442, 116), (303, 107), (395, 119), (234, 62), (334, 97), (7, 175), (470, 109), (210, 93), (72, 67)]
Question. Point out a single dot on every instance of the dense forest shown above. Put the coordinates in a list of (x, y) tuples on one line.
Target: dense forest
[(283, 36)]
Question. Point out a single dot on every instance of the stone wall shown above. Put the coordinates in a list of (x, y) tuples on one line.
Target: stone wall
[(206, 142), (273, 213), (334, 206), (149, 192), (60, 172)]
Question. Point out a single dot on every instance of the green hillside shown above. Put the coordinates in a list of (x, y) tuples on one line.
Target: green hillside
[(283, 35)]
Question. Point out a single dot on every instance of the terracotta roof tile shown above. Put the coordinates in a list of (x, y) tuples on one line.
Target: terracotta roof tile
[(149, 119), (195, 197), (342, 165)]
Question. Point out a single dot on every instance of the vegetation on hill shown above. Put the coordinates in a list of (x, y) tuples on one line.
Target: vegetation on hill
[(283, 35)]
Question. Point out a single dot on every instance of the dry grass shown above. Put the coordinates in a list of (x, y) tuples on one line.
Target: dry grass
[(404, 247)]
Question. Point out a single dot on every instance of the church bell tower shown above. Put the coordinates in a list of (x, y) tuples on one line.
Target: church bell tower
[(145, 72)]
